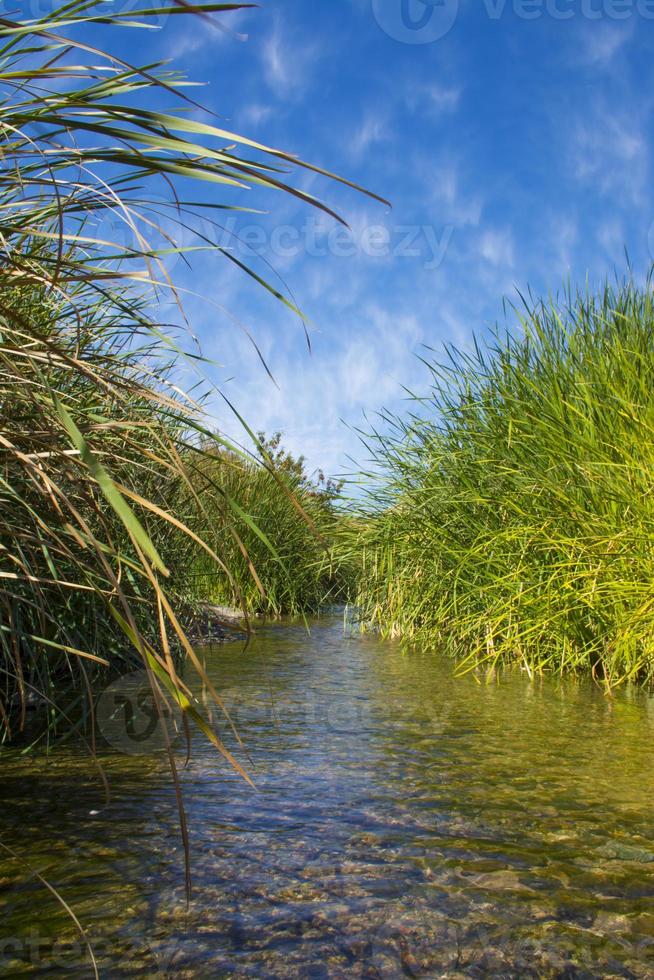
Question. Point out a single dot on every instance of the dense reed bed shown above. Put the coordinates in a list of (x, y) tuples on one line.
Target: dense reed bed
[(515, 519), (102, 493)]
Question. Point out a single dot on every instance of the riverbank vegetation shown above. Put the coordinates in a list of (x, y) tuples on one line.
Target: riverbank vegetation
[(101, 513), (514, 520), (279, 545)]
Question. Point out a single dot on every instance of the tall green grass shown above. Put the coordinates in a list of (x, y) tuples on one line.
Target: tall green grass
[(100, 519), (274, 527), (514, 523)]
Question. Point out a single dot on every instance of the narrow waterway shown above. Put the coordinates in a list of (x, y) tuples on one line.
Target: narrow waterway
[(405, 822)]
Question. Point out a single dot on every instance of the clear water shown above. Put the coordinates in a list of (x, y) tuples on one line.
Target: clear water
[(405, 823)]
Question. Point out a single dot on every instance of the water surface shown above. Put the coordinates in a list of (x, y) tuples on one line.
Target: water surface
[(405, 822)]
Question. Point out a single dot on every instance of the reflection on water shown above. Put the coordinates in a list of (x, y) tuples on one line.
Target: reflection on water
[(405, 823)]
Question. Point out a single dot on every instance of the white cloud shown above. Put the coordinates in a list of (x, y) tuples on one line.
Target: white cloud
[(373, 129), (255, 113), (497, 247), (198, 33), (451, 203), (600, 43), (611, 237), (435, 100), (610, 150), (277, 62), (351, 371), (288, 61), (563, 237)]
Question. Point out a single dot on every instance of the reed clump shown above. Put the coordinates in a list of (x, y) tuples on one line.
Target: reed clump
[(514, 523), (101, 514), (91, 430), (275, 528)]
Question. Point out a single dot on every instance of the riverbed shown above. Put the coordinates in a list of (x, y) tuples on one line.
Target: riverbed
[(404, 822)]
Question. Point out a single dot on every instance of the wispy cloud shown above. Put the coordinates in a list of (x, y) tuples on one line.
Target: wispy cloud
[(256, 113), (277, 63), (447, 197), (611, 149), (289, 60), (611, 236), (373, 129), (433, 100), (317, 393), (199, 33), (562, 237), (601, 43), (497, 247)]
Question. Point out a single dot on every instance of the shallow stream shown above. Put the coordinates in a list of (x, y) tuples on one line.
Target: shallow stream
[(405, 822)]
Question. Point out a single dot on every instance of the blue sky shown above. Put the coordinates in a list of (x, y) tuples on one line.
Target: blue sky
[(513, 139)]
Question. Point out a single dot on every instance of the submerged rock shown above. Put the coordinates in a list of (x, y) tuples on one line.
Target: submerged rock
[(617, 851), (225, 614), (217, 624)]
